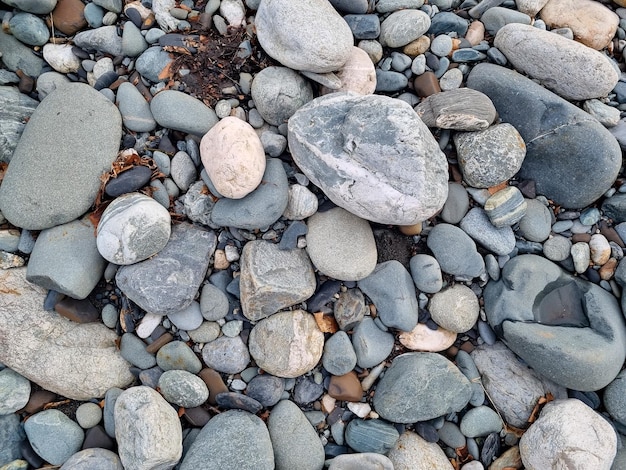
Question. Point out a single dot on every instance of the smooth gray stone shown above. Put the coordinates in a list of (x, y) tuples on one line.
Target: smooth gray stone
[(18, 56), (147, 430), (364, 26), (228, 355), (389, 81), (307, 391), (65, 259), (451, 435), (457, 204), (266, 389), (466, 365), (181, 112), (426, 273), (387, 6), (455, 251), (262, 207), (497, 17), (461, 109), (372, 435), (103, 39), (15, 109), (557, 248), (278, 92), (133, 42), (391, 289), (480, 421), (615, 207), (39, 7), (134, 108), (295, 442), (213, 303), (339, 357), (361, 461), (14, 391), (169, 281), (402, 27), (152, 62), (134, 351), (47, 82), (337, 139), (232, 439), (567, 329), (88, 415), (350, 6), (371, 344), (445, 22), (94, 15), (11, 437), (91, 459), (53, 436), (312, 36), (477, 225), (535, 225), (183, 388), (177, 355), (38, 191), (29, 29), (571, 157), (614, 398), (108, 412), (419, 387), (110, 5), (188, 318), (183, 170), (349, 309)]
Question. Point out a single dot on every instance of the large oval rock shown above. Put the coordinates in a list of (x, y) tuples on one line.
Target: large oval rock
[(233, 157), (53, 436), (133, 228), (337, 141), (78, 361), (570, 69), (287, 344), (571, 157), (147, 429), (181, 112), (307, 35), (567, 329), (232, 439), (54, 176), (421, 386)]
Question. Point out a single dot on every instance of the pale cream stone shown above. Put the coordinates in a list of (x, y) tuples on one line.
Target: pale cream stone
[(422, 338)]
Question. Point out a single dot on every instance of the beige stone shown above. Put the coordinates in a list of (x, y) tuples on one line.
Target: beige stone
[(475, 32), (600, 249), (357, 74), (530, 7), (417, 47), (411, 452), (233, 157), (593, 24), (422, 338)]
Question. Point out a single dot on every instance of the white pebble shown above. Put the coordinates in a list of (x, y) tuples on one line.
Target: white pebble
[(360, 409)]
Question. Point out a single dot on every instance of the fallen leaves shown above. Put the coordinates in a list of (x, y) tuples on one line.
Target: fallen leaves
[(326, 323)]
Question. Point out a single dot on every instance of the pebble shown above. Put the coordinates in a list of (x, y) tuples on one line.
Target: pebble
[(9, 240), (213, 303), (461, 109), (497, 17), (600, 250), (61, 58), (350, 309), (177, 355), (373, 435), (228, 355), (188, 318), (14, 391), (307, 391), (456, 205), (506, 207), (557, 248), (423, 338), (455, 251), (581, 256), (134, 351), (361, 461), (150, 64), (339, 357), (477, 225), (183, 170), (455, 309), (302, 203), (480, 421), (129, 181), (183, 388), (88, 458), (341, 245), (371, 344), (390, 81), (53, 436), (535, 225), (266, 389), (614, 399), (88, 415), (451, 435), (411, 451), (181, 112), (605, 114), (451, 80), (426, 273), (402, 27), (133, 42)]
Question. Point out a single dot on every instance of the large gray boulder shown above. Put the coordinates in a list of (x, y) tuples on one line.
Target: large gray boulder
[(78, 361), (337, 140), (567, 329), (54, 176), (571, 157), (15, 110)]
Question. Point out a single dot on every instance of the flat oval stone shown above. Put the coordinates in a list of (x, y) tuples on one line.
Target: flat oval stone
[(237, 401), (499, 240), (361, 461), (410, 185), (135, 110), (461, 109), (90, 458), (455, 308), (480, 421), (228, 355), (293, 352), (53, 436), (506, 207), (181, 112), (38, 194), (568, 68), (455, 251), (133, 228), (29, 29), (129, 181), (183, 388), (358, 73), (371, 344), (403, 26), (373, 435), (233, 157)]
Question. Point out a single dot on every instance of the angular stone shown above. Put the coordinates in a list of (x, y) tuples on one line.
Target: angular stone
[(287, 344), (371, 344), (568, 433), (506, 207), (76, 361), (272, 279), (567, 329), (14, 391), (345, 387), (349, 309), (312, 36), (568, 68), (461, 109), (337, 140), (169, 281), (571, 157), (15, 110), (18, 56), (420, 386), (103, 39), (147, 429), (339, 357), (38, 191), (233, 439)]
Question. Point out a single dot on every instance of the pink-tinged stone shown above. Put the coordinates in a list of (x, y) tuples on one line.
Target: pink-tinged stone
[(422, 338), (233, 157), (357, 74), (600, 249)]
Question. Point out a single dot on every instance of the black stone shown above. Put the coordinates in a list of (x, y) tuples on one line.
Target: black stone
[(105, 80), (97, 437), (427, 432), (324, 295), (266, 389), (237, 401), (491, 449), (134, 16), (128, 181), (307, 391), (289, 239)]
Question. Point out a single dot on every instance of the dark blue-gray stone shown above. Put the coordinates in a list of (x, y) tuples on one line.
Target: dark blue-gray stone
[(496, 17), (11, 437), (614, 207), (372, 435), (128, 181), (467, 55), (307, 391), (289, 239), (266, 389), (446, 22), (364, 26), (567, 329), (18, 56), (152, 62), (233, 439), (237, 401), (169, 281), (390, 81), (419, 387), (371, 344), (455, 251), (571, 157), (391, 289), (29, 29)]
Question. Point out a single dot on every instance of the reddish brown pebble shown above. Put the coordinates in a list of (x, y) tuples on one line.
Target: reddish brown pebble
[(79, 311), (214, 382), (38, 400), (345, 387), (426, 84), (158, 343), (467, 347), (68, 16), (581, 237), (608, 269), (197, 416)]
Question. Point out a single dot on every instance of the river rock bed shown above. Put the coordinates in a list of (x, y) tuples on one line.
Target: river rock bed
[(320, 234)]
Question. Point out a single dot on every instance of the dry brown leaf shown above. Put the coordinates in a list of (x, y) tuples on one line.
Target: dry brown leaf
[(498, 187), (326, 323)]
